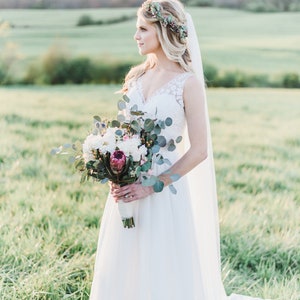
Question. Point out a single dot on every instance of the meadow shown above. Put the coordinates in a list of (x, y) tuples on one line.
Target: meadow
[(231, 40), (49, 222)]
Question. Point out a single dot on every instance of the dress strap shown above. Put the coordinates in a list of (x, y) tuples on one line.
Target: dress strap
[(179, 87)]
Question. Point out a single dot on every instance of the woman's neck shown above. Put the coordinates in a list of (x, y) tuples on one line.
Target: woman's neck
[(163, 64)]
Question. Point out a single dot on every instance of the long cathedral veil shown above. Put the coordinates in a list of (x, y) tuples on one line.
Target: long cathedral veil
[(203, 193), (203, 190)]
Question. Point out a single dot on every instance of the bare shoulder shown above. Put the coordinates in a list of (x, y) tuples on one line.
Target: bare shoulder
[(193, 89), (192, 82)]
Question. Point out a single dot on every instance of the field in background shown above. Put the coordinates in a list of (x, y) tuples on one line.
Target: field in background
[(49, 222), (230, 39)]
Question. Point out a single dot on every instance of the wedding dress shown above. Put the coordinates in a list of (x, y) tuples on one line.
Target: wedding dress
[(159, 259), (173, 252)]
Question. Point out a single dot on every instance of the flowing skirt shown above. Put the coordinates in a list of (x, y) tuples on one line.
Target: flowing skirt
[(157, 259)]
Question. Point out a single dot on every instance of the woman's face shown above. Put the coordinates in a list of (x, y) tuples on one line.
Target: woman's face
[(146, 37)]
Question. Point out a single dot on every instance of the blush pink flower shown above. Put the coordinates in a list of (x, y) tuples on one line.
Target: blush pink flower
[(117, 161)]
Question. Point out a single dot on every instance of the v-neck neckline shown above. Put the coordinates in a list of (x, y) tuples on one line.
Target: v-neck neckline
[(156, 91)]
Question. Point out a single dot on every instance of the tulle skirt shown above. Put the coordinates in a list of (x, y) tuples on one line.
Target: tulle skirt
[(157, 259)]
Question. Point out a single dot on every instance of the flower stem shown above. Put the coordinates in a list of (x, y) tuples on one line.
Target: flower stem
[(128, 223)]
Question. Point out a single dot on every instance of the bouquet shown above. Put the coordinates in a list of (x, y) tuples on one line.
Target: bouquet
[(123, 151)]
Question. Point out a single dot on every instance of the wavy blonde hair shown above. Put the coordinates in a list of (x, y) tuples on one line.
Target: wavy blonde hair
[(172, 44)]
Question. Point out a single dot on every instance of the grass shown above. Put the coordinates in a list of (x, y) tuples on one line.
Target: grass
[(49, 222), (230, 39)]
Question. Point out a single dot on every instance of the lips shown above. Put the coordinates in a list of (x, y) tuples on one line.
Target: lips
[(140, 44)]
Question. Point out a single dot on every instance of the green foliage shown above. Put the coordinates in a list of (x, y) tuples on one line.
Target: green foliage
[(231, 40), (57, 68), (61, 70), (86, 20), (291, 80)]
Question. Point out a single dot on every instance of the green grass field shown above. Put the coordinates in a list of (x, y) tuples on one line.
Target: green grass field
[(49, 222), (230, 39)]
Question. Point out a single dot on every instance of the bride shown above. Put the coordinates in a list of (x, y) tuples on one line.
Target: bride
[(173, 251)]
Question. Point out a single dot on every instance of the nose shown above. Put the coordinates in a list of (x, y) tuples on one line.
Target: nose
[(136, 36)]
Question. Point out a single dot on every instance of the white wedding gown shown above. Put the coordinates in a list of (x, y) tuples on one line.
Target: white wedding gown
[(158, 259)]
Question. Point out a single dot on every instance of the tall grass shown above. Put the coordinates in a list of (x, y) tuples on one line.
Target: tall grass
[(49, 222)]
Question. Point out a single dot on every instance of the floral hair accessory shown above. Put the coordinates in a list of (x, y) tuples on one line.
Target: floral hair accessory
[(155, 9)]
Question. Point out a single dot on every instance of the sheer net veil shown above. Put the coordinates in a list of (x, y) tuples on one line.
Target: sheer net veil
[(203, 190)]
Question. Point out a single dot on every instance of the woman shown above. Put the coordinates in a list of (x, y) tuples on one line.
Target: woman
[(173, 252)]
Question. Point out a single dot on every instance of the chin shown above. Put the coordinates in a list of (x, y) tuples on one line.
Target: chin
[(142, 52)]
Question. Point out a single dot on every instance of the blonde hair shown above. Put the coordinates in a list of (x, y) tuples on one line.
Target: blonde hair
[(173, 45)]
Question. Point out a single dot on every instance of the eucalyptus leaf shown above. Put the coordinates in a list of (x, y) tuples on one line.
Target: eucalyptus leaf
[(126, 98), (148, 125), (104, 180), (121, 105), (157, 129), (135, 126), (155, 148), (119, 132), (166, 161), (138, 171), (168, 121), (54, 151), (153, 137), (175, 177), (115, 123), (172, 189), (67, 146), (134, 108), (162, 124), (150, 181), (146, 166), (158, 186), (171, 145), (97, 119), (71, 159), (161, 140), (179, 139), (121, 118), (160, 161)]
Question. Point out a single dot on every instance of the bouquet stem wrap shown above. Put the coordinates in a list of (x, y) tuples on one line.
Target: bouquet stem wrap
[(126, 213)]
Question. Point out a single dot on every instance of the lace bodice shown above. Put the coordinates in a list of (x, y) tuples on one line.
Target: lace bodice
[(167, 101)]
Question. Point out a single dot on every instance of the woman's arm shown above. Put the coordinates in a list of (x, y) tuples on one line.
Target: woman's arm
[(197, 131)]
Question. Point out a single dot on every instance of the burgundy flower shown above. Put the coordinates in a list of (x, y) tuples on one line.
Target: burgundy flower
[(117, 161)]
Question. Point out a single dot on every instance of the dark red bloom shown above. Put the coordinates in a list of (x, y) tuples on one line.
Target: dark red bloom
[(117, 161)]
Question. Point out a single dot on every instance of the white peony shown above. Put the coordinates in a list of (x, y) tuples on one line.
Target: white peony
[(131, 147), (108, 141), (105, 143)]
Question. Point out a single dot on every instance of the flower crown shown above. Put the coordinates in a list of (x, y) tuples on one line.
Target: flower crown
[(155, 9)]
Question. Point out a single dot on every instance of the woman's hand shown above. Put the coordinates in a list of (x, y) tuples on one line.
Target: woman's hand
[(130, 192)]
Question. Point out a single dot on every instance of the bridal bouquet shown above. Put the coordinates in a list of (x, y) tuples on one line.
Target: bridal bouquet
[(123, 151)]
